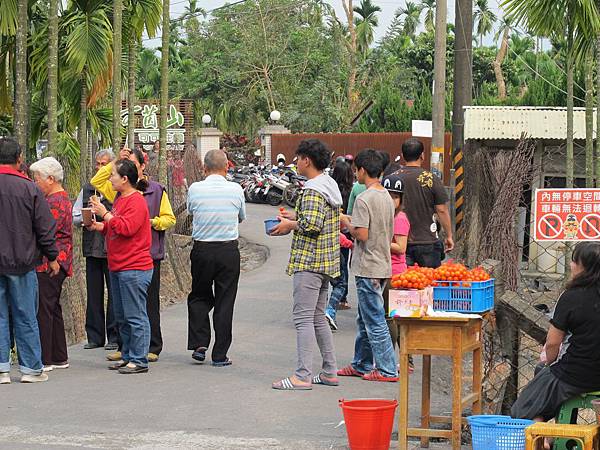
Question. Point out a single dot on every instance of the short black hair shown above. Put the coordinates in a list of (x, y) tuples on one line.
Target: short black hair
[(10, 150), (316, 151), (385, 156), (370, 160), (412, 149)]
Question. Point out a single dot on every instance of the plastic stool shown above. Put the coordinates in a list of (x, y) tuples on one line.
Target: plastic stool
[(585, 435), (569, 411)]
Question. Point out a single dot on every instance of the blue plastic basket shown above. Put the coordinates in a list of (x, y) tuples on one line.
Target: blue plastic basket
[(498, 432), (464, 296)]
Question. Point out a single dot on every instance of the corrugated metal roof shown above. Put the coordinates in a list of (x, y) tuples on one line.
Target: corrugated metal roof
[(508, 122)]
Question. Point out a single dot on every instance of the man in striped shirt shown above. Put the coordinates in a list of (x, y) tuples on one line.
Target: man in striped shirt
[(217, 207)]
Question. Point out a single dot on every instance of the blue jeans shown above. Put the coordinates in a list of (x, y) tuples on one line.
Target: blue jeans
[(129, 291), (373, 347), (340, 284), (21, 293)]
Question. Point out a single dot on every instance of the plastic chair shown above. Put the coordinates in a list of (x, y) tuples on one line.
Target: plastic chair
[(586, 436), (569, 412)]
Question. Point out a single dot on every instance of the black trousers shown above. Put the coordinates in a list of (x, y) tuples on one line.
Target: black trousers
[(153, 309), (215, 276), (99, 326), (425, 255), (50, 319)]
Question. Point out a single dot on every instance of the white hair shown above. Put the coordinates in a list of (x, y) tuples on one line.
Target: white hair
[(105, 152), (48, 167)]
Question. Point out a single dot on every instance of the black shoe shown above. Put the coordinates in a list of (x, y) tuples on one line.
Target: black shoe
[(224, 363), (129, 370), (111, 346), (91, 345), (118, 365), (199, 354)]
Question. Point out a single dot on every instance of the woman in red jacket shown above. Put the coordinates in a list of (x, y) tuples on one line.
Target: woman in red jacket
[(128, 239)]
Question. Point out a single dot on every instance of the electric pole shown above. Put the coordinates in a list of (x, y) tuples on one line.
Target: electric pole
[(439, 88)]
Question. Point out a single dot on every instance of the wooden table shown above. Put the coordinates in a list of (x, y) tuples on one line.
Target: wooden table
[(429, 336)]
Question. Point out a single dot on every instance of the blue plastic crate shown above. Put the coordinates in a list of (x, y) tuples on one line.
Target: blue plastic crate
[(464, 296), (498, 432)]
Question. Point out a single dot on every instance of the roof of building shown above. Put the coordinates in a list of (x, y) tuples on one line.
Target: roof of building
[(510, 122)]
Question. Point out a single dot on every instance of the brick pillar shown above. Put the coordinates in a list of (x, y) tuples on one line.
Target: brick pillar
[(207, 139), (265, 141)]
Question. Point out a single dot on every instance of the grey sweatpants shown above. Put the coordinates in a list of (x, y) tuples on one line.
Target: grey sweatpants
[(310, 300)]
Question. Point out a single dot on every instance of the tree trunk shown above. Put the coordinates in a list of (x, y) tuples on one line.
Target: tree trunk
[(164, 96), (21, 98), (116, 73), (570, 68), (131, 91), (52, 76), (589, 121), (438, 112), (497, 64), (82, 131), (597, 112), (463, 85), (352, 59)]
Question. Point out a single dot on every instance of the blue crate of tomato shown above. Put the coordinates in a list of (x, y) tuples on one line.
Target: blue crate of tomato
[(463, 296)]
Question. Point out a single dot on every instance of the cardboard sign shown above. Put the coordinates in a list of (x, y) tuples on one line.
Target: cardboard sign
[(567, 215), (410, 303)]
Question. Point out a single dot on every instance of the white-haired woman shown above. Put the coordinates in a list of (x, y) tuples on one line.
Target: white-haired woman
[(48, 175)]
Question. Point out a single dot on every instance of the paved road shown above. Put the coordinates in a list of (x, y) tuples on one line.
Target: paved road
[(181, 404)]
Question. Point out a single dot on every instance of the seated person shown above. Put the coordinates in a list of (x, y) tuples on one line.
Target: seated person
[(575, 368)]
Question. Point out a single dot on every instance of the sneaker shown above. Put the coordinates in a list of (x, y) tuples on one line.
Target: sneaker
[(48, 368), (331, 322), (132, 369), (4, 378), (64, 365), (34, 378), (116, 356), (375, 375), (152, 357)]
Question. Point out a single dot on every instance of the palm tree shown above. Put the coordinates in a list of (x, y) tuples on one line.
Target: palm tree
[(116, 72), (365, 24), (579, 20), (485, 18), (140, 15), (88, 53), (429, 7), (52, 76), (164, 95), (21, 97), (412, 18)]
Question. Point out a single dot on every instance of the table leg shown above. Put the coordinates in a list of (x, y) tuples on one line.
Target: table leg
[(477, 380), (456, 388), (425, 397), (403, 382)]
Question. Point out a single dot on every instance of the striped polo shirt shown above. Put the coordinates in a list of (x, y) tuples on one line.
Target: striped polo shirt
[(218, 207)]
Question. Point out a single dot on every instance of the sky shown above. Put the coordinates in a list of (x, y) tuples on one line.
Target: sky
[(386, 16)]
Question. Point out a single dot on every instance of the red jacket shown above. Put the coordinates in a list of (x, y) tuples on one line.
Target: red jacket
[(127, 235)]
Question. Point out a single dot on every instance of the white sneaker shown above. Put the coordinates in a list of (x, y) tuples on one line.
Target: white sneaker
[(60, 366), (48, 368), (34, 378), (4, 378)]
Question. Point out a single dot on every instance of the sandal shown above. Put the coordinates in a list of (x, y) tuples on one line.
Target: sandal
[(287, 385), (349, 371), (226, 362), (327, 381)]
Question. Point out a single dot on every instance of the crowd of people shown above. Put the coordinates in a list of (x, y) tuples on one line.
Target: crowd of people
[(124, 215)]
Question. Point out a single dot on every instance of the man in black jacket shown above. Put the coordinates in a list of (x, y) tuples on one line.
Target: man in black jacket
[(98, 326), (28, 231)]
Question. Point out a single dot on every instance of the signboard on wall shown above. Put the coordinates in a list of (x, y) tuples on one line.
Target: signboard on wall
[(180, 123), (567, 215)]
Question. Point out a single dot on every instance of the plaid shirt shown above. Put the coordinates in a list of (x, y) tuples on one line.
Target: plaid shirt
[(316, 245)]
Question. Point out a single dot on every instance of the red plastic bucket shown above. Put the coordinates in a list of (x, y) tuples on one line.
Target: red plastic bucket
[(369, 422)]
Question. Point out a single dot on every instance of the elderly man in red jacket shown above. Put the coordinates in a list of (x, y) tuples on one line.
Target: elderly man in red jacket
[(28, 232)]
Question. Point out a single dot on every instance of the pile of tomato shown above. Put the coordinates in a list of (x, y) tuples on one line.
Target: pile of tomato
[(421, 277)]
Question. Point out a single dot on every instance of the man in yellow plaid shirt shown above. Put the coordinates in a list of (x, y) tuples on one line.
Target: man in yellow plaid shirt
[(314, 260)]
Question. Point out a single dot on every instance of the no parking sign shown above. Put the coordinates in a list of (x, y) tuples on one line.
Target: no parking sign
[(567, 215)]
